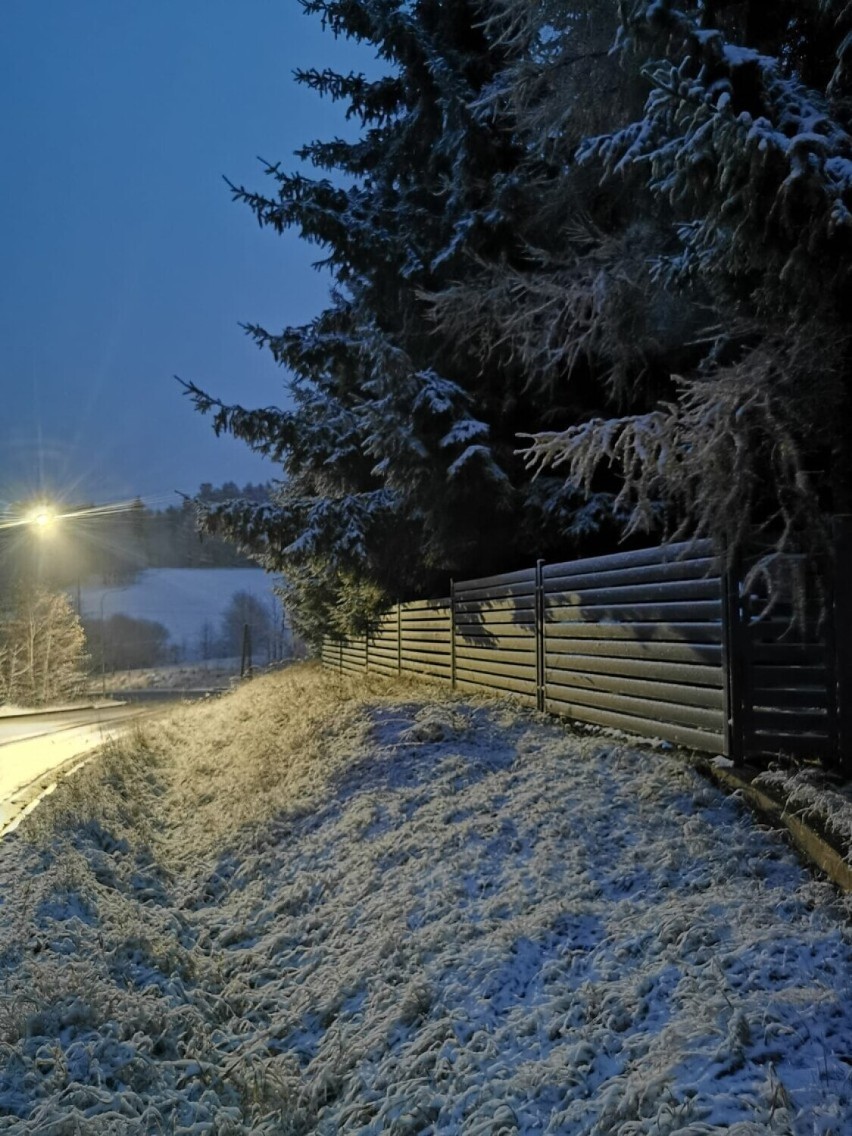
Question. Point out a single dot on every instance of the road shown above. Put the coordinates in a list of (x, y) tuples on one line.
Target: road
[(36, 749)]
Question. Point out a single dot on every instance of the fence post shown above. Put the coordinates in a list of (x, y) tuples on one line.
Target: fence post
[(399, 637), (539, 637), (340, 656), (841, 615), (734, 635), (453, 634)]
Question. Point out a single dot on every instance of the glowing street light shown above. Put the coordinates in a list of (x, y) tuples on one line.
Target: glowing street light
[(41, 518)]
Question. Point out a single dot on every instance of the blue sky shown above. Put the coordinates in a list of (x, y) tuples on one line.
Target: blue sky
[(125, 260)]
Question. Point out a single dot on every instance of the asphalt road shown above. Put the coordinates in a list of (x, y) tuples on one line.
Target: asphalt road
[(36, 749)]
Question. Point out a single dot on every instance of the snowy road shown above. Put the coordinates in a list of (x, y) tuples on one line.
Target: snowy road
[(35, 748)]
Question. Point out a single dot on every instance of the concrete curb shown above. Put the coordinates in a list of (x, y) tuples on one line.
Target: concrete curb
[(814, 846)]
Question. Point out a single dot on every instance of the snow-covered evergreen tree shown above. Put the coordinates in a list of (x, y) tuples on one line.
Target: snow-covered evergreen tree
[(730, 262), (620, 229), (399, 454)]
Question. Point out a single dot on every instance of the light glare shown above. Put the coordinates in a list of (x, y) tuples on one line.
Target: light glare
[(42, 517)]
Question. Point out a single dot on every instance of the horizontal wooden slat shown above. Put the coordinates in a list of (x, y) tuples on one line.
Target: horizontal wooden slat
[(425, 619), (709, 654), (691, 674), (487, 642), (506, 686), (637, 613), (709, 697), (706, 567), (501, 621), (667, 554), (425, 605), (410, 648), (483, 654), (708, 633), (425, 635), (636, 593), (425, 629), (422, 667), (699, 717), (708, 740), (480, 667), (380, 668), (804, 698), (385, 646), (796, 721), (505, 578), (414, 659), (518, 603), (504, 591)]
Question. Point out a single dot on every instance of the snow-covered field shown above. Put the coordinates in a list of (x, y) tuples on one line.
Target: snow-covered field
[(182, 599), (318, 907)]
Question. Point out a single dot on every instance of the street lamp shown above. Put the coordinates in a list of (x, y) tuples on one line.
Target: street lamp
[(41, 518)]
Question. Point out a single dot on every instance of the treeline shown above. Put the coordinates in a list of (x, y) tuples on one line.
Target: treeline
[(170, 537), (122, 642), (591, 272)]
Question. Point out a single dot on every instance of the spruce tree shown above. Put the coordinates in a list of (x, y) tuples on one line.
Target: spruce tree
[(399, 452)]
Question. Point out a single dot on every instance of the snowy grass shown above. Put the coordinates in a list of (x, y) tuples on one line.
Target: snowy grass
[(316, 906), (814, 796)]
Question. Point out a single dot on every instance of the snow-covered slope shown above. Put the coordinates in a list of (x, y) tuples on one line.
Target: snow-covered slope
[(312, 907)]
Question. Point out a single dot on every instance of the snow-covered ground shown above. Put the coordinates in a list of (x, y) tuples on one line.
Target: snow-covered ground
[(316, 906), (182, 599), (207, 674)]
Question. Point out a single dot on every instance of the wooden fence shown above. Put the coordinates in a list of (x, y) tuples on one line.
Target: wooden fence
[(658, 642)]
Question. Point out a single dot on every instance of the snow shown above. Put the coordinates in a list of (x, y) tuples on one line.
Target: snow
[(182, 599), (324, 906)]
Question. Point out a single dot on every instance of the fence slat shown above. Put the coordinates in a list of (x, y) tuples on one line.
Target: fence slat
[(517, 603), (515, 689), (504, 579), (702, 568), (706, 740), (662, 554), (635, 593), (690, 674), (642, 708), (483, 654), (706, 697), (637, 613), (700, 633), (708, 654), (496, 625), (495, 669), (505, 591)]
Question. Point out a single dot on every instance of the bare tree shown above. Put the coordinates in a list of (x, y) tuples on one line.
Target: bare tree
[(43, 655)]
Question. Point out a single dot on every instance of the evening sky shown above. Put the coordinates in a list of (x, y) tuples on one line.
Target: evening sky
[(125, 261)]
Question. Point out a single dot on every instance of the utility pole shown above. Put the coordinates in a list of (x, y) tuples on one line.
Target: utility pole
[(245, 661)]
